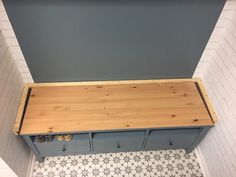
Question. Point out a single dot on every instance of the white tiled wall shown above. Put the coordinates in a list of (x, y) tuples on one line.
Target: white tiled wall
[(12, 45), (217, 68), (5, 171), (14, 153)]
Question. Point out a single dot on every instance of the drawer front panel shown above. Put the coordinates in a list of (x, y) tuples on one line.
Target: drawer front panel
[(79, 144), (116, 142), (171, 139)]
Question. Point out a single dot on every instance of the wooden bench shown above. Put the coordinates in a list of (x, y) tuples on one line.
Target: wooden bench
[(113, 116)]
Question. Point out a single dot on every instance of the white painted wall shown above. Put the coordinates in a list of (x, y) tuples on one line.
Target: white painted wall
[(5, 171), (14, 153), (217, 68)]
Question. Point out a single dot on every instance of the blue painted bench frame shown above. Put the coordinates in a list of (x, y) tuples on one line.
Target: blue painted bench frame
[(199, 133)]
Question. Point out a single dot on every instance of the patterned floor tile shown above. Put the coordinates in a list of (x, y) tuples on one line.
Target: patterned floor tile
[(169, 163)]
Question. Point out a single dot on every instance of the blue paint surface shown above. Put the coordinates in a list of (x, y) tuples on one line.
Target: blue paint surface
[(75, 40)]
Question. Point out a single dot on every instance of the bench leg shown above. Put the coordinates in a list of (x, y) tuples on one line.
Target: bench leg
[(33, 148), (201, 135)]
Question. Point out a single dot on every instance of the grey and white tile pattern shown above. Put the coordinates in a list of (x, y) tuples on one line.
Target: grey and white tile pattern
[(168, 163)]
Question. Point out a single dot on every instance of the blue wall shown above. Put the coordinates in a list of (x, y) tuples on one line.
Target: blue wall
[(74, 40)]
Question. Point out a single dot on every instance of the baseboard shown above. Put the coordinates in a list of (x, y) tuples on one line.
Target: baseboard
[(30, 165), (201, 162)]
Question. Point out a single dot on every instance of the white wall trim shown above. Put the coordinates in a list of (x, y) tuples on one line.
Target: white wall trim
[(5, 170), (30, 165), (201, 162)]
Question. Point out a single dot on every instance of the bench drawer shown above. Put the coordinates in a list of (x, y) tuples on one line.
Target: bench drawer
[(79, 144), (118, 141), (171, 139)]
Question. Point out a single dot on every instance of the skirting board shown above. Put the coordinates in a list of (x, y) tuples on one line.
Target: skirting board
[(30, 165), (201, 162)]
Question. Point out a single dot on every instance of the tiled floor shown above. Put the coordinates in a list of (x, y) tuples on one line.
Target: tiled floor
[(170, 163)]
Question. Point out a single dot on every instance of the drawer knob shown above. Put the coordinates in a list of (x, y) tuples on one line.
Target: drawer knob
[(64, 148), (118, 145)]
